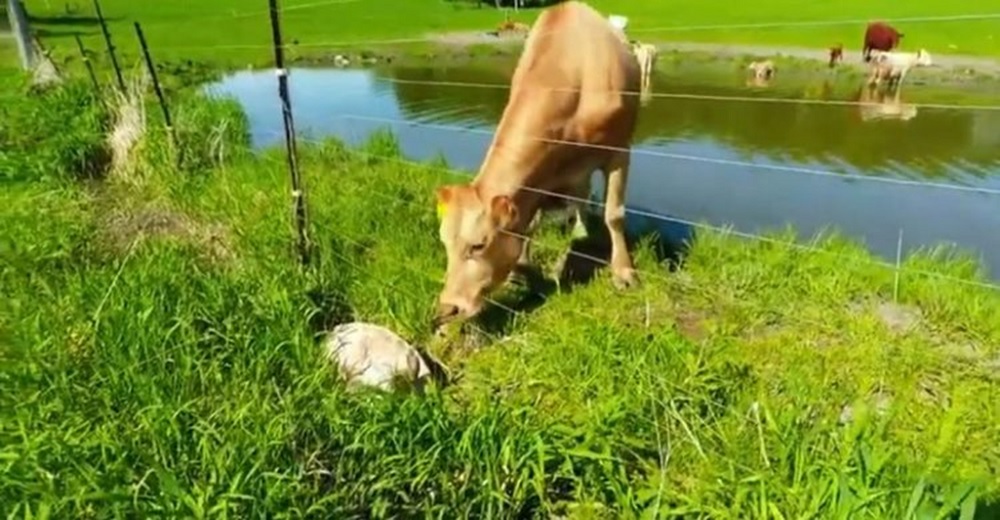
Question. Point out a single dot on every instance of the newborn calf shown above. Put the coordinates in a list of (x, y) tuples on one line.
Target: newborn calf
[(371, 355)]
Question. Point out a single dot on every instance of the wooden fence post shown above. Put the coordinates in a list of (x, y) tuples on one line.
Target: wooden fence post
[(298, 196)]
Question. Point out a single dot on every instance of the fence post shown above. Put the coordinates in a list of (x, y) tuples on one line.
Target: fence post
[(899, 267), (298, 196), (86, 62), (21, 32), (111, 47), (167, 122)]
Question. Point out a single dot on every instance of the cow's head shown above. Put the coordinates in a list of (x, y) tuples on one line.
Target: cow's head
[(481, 252)]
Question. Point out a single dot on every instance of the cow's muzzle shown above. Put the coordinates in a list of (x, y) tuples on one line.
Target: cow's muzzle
[(446, 313)]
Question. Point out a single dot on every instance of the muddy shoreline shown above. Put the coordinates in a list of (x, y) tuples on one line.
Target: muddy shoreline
[(461, 47)]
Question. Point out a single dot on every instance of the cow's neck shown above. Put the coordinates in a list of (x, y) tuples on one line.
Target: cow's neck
[(511, 163)]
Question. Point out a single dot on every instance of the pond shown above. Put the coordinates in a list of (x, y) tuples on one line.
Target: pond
[(753, 165)]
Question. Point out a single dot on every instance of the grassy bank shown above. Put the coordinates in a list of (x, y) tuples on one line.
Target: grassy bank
[(160, 357), (236, 33)]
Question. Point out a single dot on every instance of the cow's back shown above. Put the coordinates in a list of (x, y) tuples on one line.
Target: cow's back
[(573, 53), (575, 82), (577, 37)]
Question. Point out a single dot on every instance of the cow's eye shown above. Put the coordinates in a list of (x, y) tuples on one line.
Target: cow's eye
[(475, 249)]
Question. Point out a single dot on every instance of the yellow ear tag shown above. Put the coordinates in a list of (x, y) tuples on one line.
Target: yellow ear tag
[(441, 208)]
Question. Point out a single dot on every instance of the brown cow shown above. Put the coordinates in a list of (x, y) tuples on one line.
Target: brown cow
[(575, 82), (879, 36)]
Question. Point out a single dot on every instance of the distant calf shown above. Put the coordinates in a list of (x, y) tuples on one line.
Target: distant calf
[(879, 36), (762, 70), (836, 54), (893, 66)]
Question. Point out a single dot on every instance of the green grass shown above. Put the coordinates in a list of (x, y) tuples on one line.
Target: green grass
[(160, 358), (206, 31)]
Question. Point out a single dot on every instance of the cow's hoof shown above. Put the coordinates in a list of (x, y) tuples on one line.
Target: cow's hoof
[(625, 278)]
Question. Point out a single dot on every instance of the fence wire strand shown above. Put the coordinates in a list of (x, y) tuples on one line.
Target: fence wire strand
[(723, 230), (692, 158), (681, 95), (441, 38), (388, 198)]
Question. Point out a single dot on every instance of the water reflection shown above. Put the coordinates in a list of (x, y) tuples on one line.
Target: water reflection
[(940, 145), (879, 104), (818, 135)]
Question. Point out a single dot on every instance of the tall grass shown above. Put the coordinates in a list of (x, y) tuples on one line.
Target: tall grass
[(51, 134), (144, 377)]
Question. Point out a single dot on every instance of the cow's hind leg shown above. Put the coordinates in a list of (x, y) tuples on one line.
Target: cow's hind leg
[(575, 201), (616, 180)]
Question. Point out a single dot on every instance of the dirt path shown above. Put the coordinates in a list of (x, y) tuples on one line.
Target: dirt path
[(851, 56)]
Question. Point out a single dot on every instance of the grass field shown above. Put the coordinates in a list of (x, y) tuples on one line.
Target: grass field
[(236, 32), (160, 356)]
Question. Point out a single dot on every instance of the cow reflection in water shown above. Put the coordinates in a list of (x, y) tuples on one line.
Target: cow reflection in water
[(877, 104)]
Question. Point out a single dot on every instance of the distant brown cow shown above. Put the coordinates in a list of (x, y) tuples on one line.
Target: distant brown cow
[(880, 36)]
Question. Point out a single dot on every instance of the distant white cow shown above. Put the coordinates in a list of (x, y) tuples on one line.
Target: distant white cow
[(619, 23), (894, 66), (762, 70), (645, 54)]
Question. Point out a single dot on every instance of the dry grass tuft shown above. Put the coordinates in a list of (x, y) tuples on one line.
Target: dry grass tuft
[(128, 130), (123, 228)]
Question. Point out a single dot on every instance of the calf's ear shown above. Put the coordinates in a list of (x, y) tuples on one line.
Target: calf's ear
[(503, 210)]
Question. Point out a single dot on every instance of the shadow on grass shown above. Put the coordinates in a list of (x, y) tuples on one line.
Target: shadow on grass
[(66, 26), (668, 239), (47, 34), (69, 20), (987, 510)]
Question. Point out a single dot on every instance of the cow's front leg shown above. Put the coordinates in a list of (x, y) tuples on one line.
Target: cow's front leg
[(616, 180)]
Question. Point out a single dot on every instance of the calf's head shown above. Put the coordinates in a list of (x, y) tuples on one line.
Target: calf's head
[(481, 252)]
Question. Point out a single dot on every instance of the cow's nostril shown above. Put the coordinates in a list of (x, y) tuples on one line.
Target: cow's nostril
[(445, 313)]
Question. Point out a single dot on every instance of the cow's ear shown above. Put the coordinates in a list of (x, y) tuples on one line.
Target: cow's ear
[(503, 210), (445, 195)]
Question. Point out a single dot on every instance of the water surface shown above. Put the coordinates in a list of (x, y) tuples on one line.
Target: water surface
[(719, 154)]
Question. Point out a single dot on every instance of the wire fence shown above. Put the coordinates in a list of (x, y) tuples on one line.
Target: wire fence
[(277, 45), (681, 95), (724, 230), (694, 158)]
